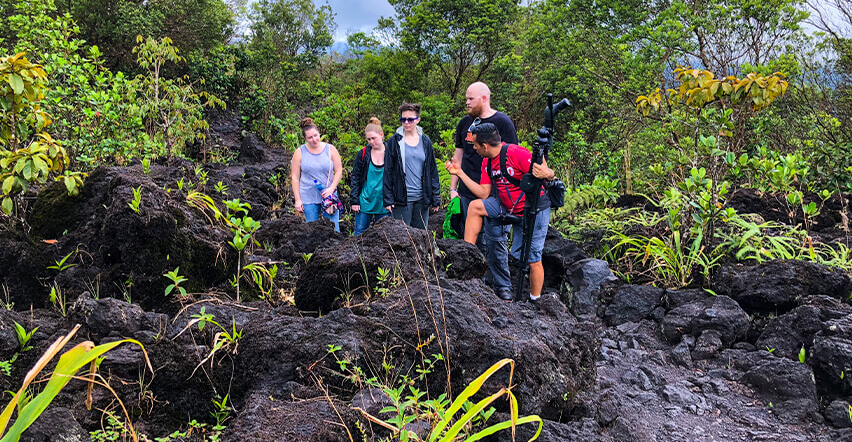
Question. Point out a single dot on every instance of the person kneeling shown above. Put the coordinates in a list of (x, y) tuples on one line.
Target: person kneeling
[(501, 204)]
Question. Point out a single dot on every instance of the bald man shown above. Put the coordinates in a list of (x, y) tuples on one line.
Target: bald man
[(478, 99)]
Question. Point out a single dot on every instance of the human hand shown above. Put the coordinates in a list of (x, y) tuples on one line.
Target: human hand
[(435, 209), (299, 206), (453, 167), (389, 208), (327, 192), (541, 171), (356, 207), (454, 194)]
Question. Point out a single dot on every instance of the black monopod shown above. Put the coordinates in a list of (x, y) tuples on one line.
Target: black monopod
[(532, 186)]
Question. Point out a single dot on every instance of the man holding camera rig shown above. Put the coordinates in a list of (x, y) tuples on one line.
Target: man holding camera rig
[(502, 201)]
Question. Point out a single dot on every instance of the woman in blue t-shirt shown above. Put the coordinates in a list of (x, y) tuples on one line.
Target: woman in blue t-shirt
[(368, 179)]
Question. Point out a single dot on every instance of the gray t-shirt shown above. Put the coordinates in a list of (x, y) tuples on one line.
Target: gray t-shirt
[(317, 167), (415, 156)]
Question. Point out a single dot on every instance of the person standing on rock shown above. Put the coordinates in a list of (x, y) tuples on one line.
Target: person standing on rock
[(414, 186), (369, 180), (478, 101), (501, 203), (315, 165)]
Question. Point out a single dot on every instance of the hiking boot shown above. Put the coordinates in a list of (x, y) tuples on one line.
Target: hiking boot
[(505, 295)]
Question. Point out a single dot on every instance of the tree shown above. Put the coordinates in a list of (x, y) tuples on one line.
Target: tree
[(172, 109), (291, 34), (193, 25), (461, 38)]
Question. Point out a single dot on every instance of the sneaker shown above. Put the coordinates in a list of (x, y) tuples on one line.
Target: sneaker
[(505, 295)]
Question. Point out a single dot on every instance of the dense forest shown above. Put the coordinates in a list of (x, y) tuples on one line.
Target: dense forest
[(747, 94), (707, 152)]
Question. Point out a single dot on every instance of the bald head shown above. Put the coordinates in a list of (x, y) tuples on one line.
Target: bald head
[(479, 88), (478, 100)]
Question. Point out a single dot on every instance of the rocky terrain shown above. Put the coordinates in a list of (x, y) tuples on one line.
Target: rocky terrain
[(761, 355)]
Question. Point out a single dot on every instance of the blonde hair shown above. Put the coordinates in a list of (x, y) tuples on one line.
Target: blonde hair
[(374, 126)]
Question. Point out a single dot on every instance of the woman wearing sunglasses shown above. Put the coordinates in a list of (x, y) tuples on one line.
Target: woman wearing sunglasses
[(414, 185), (315, 172)]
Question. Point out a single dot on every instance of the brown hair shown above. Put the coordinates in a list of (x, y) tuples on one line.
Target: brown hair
[(375, 126), (406, 106), (307, 124)]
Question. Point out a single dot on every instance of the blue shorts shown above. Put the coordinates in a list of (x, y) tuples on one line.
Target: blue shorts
[(494, 208)]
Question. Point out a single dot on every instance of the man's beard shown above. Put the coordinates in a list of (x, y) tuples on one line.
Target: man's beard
[(475, 111)]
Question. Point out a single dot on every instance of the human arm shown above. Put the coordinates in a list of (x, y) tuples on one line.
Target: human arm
[(454, 180), (355, 180), (432, 170), (295, 174), (338, 172), (480, 190)]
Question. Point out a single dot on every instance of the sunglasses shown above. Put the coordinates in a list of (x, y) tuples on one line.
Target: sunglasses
[(474, 124), (408, 120)]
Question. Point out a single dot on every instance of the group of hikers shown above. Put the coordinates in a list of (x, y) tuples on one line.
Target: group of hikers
[(398, 177)]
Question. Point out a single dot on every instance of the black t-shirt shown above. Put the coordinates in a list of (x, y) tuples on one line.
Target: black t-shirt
[(471, 161)]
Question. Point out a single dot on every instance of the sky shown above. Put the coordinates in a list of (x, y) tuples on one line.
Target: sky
[(357, 15)]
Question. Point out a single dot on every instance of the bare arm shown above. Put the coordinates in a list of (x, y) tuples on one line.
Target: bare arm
[(295, 174), (338, 172), (480, 190), (454, 180)]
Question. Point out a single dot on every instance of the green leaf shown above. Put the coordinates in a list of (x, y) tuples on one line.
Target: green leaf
[(8, 183), (7, 205), (70, 184), (17, 83)]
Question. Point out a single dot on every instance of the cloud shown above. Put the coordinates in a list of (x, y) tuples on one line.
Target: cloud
[(357, 15)]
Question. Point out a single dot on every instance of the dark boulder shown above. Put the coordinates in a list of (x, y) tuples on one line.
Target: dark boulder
[(788, 385), (315, 419), (555, 356), (557, 256), (586, 430), (292, 239), (134, 250), (56, 424), (344, 269), (23, 264), (633, 303), (719, 313), (837, 414), (462, 260), (677, 298), (777, 286), (788, 333), (251, 150), (831, 356), (708, 345), (583, 281)]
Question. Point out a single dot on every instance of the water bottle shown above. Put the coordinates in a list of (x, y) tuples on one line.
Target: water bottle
[(327, 204)]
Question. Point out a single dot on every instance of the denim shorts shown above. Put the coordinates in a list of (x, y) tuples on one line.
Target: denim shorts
[(494, 208)]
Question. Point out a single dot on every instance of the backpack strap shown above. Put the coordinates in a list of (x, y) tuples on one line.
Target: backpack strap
[(503, 171), (363, 152)]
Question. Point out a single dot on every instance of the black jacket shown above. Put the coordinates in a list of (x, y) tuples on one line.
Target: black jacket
[(359, 175), (397, 192)]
